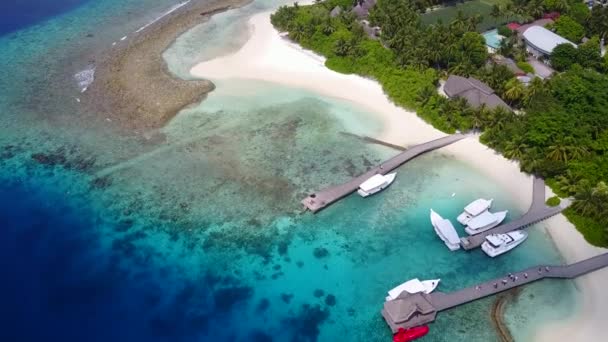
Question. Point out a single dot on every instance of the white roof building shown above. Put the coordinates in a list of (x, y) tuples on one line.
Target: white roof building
[(541, 42)]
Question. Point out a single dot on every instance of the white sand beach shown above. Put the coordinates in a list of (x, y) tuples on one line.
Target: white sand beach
[(270, 57)]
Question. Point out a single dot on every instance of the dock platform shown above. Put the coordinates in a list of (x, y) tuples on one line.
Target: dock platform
[(410, 310), (538, 211), (325, 197)]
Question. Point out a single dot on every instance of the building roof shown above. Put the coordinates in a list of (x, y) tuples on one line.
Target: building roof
[(540, 22), (406, 306), (509, 63), (474, 91), (544, 40), (363, 7), (335, 12), (513, 26)]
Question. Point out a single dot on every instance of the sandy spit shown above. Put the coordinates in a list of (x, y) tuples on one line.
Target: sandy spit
[(133, 88)]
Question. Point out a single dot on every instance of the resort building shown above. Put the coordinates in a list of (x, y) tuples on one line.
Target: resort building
[(363, 7), (509, 63), (540, 42), (474, 91), (335, 12)]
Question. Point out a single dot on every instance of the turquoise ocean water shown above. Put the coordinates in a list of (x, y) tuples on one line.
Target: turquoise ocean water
[(201, 237)]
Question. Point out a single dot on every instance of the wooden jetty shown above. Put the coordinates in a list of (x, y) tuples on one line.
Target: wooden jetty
[(538, 211), (323, 198), (410, 310)]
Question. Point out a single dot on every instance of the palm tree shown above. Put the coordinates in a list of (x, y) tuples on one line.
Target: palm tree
[(473, 21), (515, 150), (328, 28), (536, 8), (459, 23), (558, 152), (514, 90), (495, 13), (584, 202), (568, 183), (535, 87), (425, 94), (577, 151), (297, 32)]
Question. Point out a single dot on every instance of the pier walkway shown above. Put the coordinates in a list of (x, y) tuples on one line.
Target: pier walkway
[(538, 211), (325, 197), (410, 310)]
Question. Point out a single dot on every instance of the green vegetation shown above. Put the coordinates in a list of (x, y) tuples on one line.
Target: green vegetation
[(587, 55), (569, 28), (553, 201), (593, 231), (526, 67), (504, 31), (349, 50), (561, 129)]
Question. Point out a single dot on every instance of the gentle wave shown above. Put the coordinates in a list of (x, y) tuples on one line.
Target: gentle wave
[(171, 10)]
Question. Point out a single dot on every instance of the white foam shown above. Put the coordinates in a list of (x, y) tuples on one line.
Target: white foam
[(171, 10)]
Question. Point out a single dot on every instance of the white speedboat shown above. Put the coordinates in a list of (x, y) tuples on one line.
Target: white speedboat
[(413, 286), (446, 231), (497, 244), (485, 221), (375, 184), (473, 209)]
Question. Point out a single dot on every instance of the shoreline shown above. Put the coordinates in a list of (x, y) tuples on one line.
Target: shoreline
[(133, 88), (269, 56)]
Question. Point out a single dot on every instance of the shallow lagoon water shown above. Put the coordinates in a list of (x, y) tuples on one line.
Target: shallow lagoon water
[(202, 237)]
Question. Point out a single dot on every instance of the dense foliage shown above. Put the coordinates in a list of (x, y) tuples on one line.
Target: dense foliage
[(587, 55), (560, 130), (569, 28)]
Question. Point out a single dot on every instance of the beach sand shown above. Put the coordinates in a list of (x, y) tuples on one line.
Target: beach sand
[(269, 56)]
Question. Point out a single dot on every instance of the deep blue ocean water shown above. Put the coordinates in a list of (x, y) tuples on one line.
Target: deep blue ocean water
[(18, 14), (201, 237)]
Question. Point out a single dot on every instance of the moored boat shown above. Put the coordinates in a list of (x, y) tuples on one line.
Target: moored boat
[(473, 209), (406, 335), (376, 183), (485, 221), (497, 244), (413, 286), (446, 231)]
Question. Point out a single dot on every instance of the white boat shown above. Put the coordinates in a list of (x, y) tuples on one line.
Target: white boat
[(473, 209), (485, 221), (413, 286), (446, 231), (497, 244), (375, 184)]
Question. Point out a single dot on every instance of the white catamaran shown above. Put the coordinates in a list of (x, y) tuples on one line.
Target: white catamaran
[(497, 244), (446, 231), (375, 183), (413, 286), (485, 221), (473, 209)]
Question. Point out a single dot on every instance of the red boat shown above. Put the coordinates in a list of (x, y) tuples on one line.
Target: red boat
[(411, 334)]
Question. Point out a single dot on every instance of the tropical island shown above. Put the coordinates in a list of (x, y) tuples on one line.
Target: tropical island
[(548, 110)]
